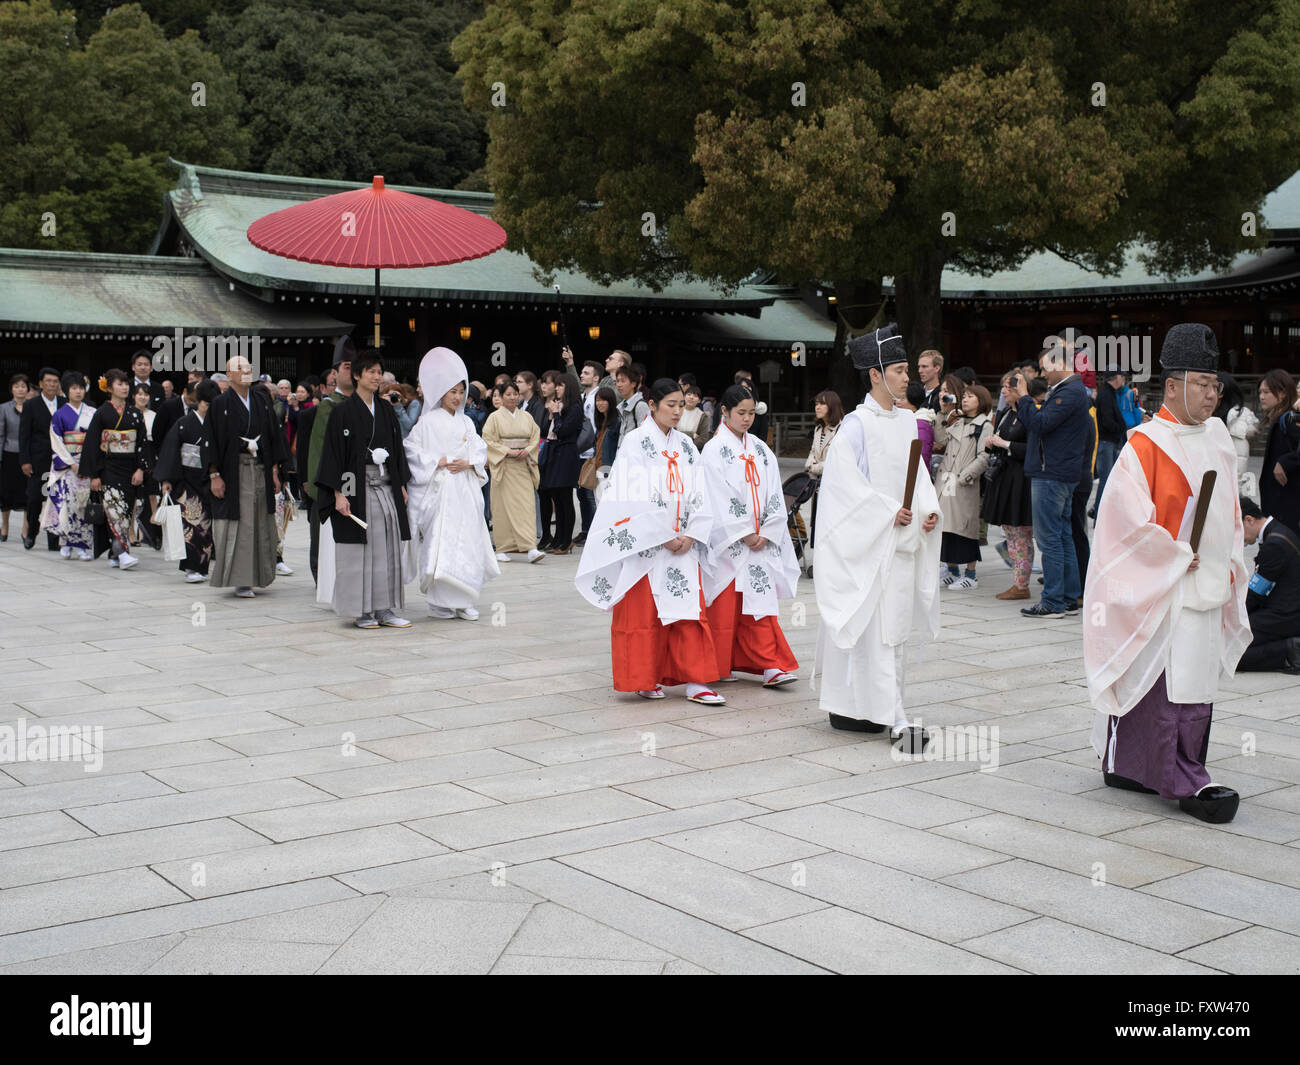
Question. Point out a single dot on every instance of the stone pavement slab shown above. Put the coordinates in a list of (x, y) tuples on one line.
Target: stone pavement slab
[(283, 793)]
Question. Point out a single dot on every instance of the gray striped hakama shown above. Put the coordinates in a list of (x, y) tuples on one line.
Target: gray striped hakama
[(243, 551), (368, 577)]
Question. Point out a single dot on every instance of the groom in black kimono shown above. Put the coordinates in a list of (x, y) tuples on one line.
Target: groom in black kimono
[(363, 475)]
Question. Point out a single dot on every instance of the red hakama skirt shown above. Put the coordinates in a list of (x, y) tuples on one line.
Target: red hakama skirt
[(647, 652), (744, 643)]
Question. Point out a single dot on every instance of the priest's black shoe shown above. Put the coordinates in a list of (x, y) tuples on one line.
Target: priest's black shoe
[(1292, 655), (1114, 780), (852, 724), (912, 740), (29, 542), (1213, 803)]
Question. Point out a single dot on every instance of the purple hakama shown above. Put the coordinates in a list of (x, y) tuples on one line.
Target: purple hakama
[(1161, 744)]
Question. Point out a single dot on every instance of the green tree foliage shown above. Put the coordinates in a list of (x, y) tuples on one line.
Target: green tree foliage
[(985, 111), (85, 132), (347, 90)]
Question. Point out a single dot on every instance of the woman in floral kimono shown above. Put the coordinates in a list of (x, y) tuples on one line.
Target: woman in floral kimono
[(451, 543), (643, 554), (64, 513), (751, 562)]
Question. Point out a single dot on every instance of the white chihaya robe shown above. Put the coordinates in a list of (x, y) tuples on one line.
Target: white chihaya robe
[(744, 496), (655, 493), (876, 582), (451, 546), (1144, 612)]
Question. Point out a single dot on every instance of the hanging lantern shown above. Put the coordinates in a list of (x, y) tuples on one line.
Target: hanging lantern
[(555, 328), (593, 332), (464, 332)]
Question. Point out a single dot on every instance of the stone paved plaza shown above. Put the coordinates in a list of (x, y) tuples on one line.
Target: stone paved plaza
[(283, 793)]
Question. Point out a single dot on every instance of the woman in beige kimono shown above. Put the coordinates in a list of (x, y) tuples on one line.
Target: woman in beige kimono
[(962, 434), (512, 436)]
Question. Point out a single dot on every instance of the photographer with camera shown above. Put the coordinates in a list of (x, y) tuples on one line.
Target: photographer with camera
[(1007, 499)]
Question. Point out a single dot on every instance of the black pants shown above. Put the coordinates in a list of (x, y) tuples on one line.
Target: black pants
[(1267, 651), (562, 500), (1079, 528), (35, 501), (313, 522), (586, 507), (547, 502)]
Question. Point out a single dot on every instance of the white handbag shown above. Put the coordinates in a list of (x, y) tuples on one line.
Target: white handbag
[(168, 516)]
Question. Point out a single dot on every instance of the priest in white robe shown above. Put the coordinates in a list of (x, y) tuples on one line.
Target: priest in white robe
[(1163, 624), (877, 577), (452, 547)]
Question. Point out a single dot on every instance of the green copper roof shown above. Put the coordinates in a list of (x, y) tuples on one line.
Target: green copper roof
[(214, 209), (786, 322), (63, 292), (1046, 275)]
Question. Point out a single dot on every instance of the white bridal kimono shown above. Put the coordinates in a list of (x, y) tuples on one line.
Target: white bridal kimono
[(876, 582), (654, 494), (451, 548), (745, 496)]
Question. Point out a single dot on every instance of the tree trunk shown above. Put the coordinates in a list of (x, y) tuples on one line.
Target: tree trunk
[(858, 305), (916, 295)]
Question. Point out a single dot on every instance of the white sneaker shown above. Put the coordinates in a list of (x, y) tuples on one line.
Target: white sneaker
[(193, 578), (391, 620), (84, 556), (112, 563), (536, 556), (468, 613), (441, 612), (65, 551), (948, 577), (966, 582), (283, 570), (502, 557), (244, 593), (126, 560)]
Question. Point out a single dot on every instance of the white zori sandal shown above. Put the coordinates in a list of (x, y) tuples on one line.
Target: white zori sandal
[(779, 678), (707, 696), (657, 692)]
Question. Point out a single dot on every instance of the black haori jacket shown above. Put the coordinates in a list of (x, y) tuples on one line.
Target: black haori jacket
[(229, 422), (347, 447)]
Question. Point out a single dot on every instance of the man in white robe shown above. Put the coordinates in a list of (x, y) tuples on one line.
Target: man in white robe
[(1163, 624), (877, 574)]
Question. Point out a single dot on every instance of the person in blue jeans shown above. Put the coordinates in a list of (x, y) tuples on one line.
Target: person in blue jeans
[(1058, 435)]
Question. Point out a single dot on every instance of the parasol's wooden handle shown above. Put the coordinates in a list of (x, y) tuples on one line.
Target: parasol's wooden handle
[(1202, 508), (913, 464)]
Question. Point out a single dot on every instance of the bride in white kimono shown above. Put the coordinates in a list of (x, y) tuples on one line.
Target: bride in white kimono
[(751, 563), (452, 548), (642, 558)]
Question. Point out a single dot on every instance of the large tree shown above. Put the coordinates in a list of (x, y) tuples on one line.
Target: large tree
[(85, 132), (347, 89), (855, 140)]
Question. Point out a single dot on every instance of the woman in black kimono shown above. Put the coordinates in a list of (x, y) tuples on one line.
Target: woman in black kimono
[(182, 472), (110, 457)]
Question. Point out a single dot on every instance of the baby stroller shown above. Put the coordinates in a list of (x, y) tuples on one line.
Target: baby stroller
[(798, 490)]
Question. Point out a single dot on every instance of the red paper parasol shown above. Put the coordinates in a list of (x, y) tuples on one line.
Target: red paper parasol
[(377, 227)]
